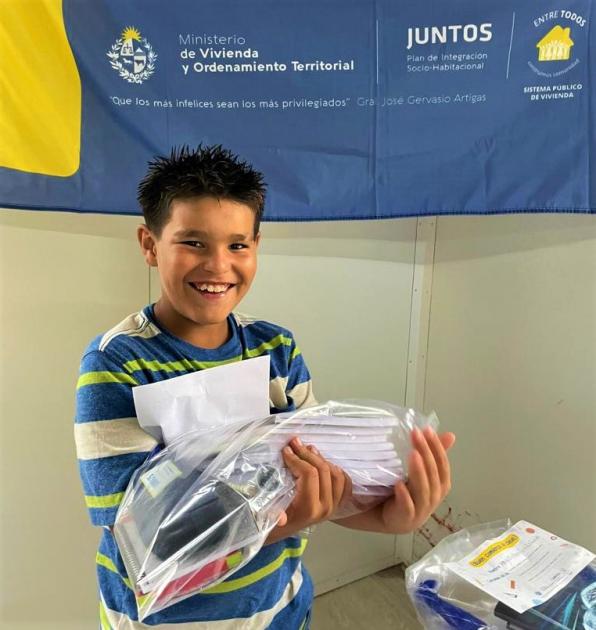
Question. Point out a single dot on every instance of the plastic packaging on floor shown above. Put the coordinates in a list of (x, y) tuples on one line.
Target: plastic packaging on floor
[(561, 597), (202, 507)]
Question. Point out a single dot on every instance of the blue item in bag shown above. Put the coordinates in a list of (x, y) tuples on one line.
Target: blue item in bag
[(455, 617)]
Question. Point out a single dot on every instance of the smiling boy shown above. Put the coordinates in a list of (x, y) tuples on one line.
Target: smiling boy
[(202, 213), (206, 259)]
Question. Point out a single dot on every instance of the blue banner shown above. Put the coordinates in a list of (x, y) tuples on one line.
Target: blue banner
[(351, 109)]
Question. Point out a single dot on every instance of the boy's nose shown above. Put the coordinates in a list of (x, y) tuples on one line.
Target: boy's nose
[(217, 262)]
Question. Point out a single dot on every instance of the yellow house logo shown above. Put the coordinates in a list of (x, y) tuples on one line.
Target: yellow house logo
[(555, 45)]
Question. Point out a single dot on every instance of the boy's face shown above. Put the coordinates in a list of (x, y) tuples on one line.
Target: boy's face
[(206, 257)]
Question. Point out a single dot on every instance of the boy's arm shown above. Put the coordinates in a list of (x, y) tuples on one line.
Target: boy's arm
[(299, 392), (413, 502), (109, 441)]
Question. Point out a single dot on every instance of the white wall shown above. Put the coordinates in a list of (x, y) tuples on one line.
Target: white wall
[(512, 370), (63, 277)]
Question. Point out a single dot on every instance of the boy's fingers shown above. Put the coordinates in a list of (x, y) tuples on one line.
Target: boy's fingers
[(313, 480), (421, 440), (347, 487), (404, 501), (418, 482), (439, 472), (447, 440), (341, 484), (400, 508), (443, 467), (307, 479), (322, 467), (308, 453), (336, 477), (296, 465), (338, 483), (314, 458)]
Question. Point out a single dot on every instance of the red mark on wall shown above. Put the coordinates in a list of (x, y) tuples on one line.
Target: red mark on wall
[(445, 522)]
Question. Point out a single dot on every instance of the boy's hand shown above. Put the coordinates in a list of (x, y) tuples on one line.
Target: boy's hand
[(320, 488), (428, 483)]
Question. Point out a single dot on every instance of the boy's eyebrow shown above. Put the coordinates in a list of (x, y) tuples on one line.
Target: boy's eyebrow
[(201, 234), (189, 234)]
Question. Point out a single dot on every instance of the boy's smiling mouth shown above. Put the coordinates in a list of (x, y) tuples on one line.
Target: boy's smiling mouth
[(215, 289)]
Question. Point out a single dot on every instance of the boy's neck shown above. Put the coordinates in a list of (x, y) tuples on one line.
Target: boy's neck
[(207, 336)]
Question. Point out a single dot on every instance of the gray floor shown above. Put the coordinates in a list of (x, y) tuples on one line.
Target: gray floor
[(378, 602)]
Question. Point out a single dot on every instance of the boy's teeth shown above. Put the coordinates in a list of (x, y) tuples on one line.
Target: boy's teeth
[(213, 288)]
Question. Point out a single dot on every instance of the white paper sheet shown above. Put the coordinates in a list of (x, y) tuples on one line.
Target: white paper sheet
[(221, 395), (334, 430), (364, 464), (380, 457), (354, 447), (339, 421)]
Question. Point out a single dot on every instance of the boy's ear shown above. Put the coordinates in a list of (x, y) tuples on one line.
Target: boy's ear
[(147, 242), (257, 239)]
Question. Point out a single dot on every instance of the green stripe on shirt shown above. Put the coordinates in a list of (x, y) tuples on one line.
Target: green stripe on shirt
[(230, 585), (180, 366), (175, 366), (95, 378), (107, 563), (103, 617), (234, 585), (105, 501), (279, 340)]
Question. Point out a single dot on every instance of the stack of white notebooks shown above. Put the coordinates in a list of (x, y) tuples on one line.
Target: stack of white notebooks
[(361, 446)]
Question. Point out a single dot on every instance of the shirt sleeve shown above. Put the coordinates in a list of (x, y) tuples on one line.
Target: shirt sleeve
[(299, 390), (110, 444)]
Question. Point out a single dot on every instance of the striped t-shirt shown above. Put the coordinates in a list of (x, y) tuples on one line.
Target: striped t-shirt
[(273, 590)]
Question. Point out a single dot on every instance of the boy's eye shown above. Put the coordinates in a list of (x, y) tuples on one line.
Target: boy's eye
[(238, 246), (193, 243)]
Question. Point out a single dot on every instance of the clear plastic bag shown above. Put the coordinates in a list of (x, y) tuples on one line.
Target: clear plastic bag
[(201, 508), (445, 601)]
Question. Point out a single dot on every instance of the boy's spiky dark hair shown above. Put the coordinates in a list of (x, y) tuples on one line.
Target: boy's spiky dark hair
[(209, 171)]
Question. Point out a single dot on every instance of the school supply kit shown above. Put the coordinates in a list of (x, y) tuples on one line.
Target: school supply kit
[(499, 576), (201, 508)]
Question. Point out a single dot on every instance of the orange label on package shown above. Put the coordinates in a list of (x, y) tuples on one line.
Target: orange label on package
[(492, 550)]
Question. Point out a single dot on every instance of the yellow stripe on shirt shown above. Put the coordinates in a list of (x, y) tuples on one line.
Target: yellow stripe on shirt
[(256, 621), (175, 366), (186, 364), (107, 563), (229, 585), (103, 617), (279, 340), (96, 378), (234, 585), (105, 501)]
